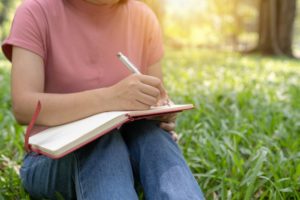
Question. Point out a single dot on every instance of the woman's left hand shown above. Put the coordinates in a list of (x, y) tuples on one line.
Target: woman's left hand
[(167, 122)]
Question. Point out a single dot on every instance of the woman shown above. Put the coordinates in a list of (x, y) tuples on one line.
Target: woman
[(63, 53)]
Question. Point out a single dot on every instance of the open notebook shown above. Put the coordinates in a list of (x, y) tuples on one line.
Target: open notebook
[(55, 142)]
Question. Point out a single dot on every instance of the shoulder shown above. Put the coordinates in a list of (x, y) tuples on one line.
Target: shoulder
[(138, 5), (42, 4), (141, 10), (38, 8)]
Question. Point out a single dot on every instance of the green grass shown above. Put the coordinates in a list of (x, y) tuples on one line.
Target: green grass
[(242, 139), (11, 141)]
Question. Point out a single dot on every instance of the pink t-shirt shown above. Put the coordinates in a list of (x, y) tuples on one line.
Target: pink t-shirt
[(78, 41)]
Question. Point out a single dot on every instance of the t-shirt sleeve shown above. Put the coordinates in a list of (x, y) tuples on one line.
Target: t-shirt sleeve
[(28, 30), (154, 49)]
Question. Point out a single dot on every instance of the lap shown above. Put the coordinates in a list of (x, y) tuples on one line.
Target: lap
[(89, 171), (102, 169)]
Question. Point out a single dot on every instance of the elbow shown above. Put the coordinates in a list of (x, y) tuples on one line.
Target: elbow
[(21, 122), (19, 115), (21, 112), (24, 114), (24, 118)]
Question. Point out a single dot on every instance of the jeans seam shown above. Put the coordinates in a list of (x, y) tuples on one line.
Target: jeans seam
[(79, 187)]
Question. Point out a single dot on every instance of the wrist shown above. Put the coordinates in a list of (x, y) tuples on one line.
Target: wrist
[(101, 99)]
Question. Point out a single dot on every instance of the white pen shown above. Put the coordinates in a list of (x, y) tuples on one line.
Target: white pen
[(128, 64)]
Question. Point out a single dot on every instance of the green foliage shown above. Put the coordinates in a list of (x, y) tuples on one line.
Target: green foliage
[(11, 137), (7, 9), (242, 140)]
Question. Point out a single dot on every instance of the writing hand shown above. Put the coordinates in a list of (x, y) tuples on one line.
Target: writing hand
[(136, 92)]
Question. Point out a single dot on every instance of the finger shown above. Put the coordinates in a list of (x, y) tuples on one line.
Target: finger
[(146, 99), (162, 102), (158, 118), (167, 126), (165, 118), (150, 90), (155, 82), (171, 118), (168, 118), (174, 136), (164, 98), (150, 80), (137, 105), (163, 92)]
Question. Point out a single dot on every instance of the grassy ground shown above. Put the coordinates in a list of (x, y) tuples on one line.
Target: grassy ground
[(11, 141), (242, 140)]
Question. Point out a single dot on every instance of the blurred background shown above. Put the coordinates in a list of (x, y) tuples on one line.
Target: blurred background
[(267, 26), (237, 61)]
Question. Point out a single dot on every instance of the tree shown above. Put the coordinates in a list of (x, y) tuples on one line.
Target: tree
[(275, 27)]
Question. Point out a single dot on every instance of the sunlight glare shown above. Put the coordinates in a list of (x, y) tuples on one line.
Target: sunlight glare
[(185, 6)]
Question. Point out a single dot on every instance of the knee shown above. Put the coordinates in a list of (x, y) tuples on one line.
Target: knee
[(43, 177), (145, 132), (146, 137)]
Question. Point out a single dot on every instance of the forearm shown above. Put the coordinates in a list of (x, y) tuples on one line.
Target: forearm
[(61, 108), (28, 78)]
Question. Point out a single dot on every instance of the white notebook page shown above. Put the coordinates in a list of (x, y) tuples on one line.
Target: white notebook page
[(56, 137)]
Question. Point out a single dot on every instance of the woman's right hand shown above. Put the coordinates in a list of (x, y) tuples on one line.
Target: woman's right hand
[(136, 92)]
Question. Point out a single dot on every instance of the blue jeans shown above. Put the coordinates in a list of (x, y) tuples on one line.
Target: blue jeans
[(108, 167)]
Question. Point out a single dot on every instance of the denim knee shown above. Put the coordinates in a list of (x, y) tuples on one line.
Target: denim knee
[(147, 133), (43, 177), (159, 162)]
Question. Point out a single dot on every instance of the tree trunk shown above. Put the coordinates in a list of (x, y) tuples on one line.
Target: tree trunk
[(287, 10), (275, 27)]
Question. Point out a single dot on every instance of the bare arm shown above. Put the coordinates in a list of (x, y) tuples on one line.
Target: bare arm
[(155, 70), (135, 92), (28, 88)]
